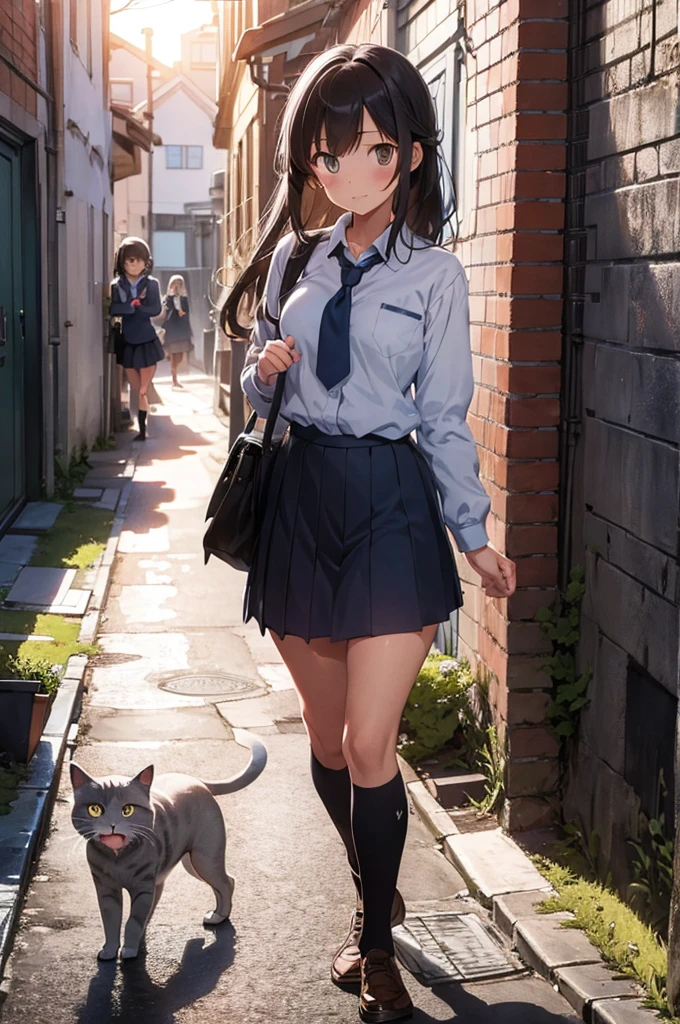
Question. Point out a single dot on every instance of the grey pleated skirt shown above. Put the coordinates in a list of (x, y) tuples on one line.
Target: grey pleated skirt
[(148, 353), (352, 541)]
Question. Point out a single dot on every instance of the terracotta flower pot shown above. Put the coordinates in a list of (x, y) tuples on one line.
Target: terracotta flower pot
[(23, 713), (42, 703)]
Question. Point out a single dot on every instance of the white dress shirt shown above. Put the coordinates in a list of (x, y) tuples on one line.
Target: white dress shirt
[(411, 365)]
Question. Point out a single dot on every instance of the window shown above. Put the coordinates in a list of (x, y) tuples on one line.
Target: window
[(121, 91), (184, 157), (194, 159), (169, 249), (446, 80), (80, 30), (173, 157), (203, 53)]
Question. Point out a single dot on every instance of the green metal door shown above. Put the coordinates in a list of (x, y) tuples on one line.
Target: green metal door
[(11, 354)]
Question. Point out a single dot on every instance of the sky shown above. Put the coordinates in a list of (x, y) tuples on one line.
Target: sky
[(167, 18)]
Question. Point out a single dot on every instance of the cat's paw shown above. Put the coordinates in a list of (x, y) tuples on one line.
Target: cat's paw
[(129, 952), (215, 918), (107, 953)]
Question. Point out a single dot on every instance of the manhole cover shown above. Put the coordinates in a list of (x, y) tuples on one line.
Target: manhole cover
[(437, 948), (209, 685), (110, 658)]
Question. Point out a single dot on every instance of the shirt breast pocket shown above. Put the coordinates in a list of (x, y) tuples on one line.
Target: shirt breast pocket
[(396, 328)]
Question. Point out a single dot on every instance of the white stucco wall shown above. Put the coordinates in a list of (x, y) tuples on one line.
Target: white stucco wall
[(124, 64), (181, 121), (86, 157)]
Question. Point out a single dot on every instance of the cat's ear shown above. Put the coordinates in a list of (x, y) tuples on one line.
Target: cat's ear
[(145, 778), (79, 776)]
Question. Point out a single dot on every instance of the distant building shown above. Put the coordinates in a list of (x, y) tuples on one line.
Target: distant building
[(184, 232)]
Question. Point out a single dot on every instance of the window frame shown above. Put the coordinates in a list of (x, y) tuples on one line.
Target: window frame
[(183, 165)]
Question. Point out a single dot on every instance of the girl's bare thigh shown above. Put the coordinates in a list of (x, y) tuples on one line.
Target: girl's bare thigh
[(319, 672)]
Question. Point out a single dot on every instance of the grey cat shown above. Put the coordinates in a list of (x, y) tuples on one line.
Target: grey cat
[(136, 835)]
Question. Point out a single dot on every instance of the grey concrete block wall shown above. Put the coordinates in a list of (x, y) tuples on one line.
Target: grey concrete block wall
[(623, 317)]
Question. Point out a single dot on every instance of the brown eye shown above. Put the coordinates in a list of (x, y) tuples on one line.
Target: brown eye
[(95, 811), (384, 154), (128, 810)]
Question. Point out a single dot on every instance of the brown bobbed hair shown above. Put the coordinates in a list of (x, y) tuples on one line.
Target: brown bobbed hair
[(329, 99), (135, 247)]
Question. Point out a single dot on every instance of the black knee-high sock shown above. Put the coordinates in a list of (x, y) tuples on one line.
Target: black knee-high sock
[(142, 422), (379, 823), (335, 789)]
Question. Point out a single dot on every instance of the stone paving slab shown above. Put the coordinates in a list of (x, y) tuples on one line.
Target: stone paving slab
[(109, 499), (18, 830), (514, 907), (37, 517), (256, 712), (8, 573), (41, 586), (88, 493), (624, 1011), (276, 676), (493, 864), (64, 708), (583, 985), (172, 724), (545, 945), (21, 637), (42, 765), (436, 818), (17, 549)]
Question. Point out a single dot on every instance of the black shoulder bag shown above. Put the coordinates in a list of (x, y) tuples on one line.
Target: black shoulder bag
[(235, 504)]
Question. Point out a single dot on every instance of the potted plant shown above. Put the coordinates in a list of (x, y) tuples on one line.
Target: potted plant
[(25, 704)]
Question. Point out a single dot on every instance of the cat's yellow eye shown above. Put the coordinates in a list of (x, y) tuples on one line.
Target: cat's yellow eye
[(95, 811), (128, 810)]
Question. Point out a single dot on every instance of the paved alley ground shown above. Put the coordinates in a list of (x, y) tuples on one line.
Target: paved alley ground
[(169, 615)]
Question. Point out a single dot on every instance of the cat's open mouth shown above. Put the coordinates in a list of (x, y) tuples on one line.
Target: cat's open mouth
[(114, 840)]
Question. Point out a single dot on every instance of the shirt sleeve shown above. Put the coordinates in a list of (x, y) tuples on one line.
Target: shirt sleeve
[(256, 391), (116, 307), (151, 304), (444, 388)]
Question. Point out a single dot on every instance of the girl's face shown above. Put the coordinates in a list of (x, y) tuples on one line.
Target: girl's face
[(361, 180), (134, 266)]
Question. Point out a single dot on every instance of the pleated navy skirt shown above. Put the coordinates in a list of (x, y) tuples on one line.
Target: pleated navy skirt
[(148, 353), (352, 541)]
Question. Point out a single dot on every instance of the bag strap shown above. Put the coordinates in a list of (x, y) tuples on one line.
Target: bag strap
[(297, 261)]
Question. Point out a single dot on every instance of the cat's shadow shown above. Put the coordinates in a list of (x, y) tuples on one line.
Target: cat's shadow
[(125, 993)]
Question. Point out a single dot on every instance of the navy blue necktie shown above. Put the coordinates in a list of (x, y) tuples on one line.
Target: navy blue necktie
[(333, 361)]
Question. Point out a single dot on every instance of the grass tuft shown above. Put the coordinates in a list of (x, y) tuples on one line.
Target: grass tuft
[(621, 937), (76, 540)]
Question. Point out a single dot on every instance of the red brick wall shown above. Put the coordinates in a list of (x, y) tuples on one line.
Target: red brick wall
[(517, 99), (18, 29)]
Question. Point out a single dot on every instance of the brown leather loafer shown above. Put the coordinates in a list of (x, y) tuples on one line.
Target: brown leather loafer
[(346, 966), (383, 995)]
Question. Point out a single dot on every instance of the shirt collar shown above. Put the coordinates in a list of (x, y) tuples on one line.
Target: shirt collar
[(399, 254)]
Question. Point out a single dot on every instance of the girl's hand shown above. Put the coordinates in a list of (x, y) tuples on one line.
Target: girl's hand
[(276, 357), (136, 303), (181, 312), (499, 576)]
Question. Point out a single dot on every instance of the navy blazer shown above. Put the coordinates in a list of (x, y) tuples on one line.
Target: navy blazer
[(137, 326)]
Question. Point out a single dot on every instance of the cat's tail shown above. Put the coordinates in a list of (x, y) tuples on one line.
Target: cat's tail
[(258, 760)]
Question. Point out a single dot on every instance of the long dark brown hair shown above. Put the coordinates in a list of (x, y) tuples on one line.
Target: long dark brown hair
[(329, 99)]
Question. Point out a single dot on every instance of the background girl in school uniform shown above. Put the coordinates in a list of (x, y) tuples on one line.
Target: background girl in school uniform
[(353, 569), (136, 298), (177, 325)]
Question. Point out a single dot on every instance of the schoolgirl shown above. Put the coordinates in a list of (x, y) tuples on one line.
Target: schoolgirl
[(177, 325), (136, 297), (353, 569)]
